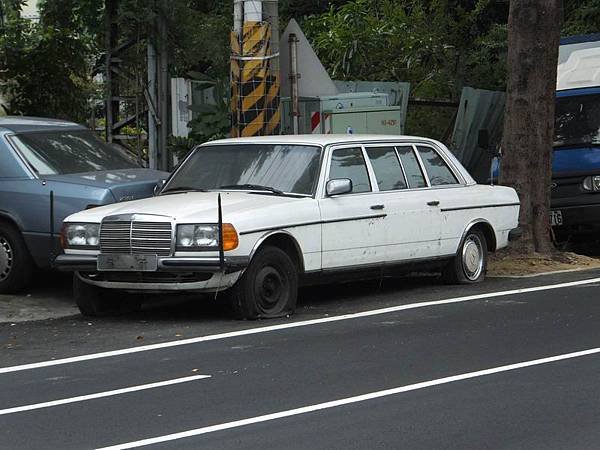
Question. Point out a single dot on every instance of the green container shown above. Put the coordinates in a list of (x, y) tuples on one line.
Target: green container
[(373, 120)]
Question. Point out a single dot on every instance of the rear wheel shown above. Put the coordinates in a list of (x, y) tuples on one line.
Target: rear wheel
[(470, 263), (268, 288), (16, 265), (94, 301)]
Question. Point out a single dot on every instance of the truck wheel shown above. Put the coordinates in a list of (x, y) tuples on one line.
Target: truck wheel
[(470, 263), (93, 301), (16, 265), (268, 288)]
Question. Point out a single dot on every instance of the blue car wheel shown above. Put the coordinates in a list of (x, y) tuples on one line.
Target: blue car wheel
[(16, 265)]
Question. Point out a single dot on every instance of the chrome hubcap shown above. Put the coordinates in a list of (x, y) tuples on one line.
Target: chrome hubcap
[(6, 258), (472, 257)]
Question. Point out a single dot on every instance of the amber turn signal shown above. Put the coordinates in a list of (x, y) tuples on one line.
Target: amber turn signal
[(229, 237)]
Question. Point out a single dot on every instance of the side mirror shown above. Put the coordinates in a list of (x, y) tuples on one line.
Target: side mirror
[(338, 186), (159, 187)]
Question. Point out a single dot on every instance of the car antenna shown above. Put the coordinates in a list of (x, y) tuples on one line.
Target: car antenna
[(52, 252), (221, 251)]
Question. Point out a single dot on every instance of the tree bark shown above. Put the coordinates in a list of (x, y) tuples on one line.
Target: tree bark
[(533, 40)]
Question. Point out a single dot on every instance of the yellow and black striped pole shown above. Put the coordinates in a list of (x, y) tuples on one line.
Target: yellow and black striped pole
[(255, 83)]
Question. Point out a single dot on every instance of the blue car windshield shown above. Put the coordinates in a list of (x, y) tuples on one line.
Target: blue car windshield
[(292, 169), (577, 121), (72, 151)]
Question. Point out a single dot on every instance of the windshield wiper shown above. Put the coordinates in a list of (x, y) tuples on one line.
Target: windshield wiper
[(181, 189), (254, 187)]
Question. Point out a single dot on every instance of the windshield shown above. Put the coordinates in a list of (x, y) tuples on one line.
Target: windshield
[(286, 168), (74, 151), (577, 120)]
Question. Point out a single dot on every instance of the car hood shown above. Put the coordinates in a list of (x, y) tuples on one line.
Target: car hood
[(195, 207), (125, 184)]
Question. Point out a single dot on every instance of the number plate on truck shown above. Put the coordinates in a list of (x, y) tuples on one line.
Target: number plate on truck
[(127, 263), (556, 218)]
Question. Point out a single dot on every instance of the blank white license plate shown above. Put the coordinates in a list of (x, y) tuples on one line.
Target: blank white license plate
[(127, 263), (556, 218)]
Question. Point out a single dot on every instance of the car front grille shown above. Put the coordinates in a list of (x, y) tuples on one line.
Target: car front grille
[(136, 237)]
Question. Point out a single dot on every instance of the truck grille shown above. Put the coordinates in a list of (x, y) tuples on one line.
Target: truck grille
[(136, 237)]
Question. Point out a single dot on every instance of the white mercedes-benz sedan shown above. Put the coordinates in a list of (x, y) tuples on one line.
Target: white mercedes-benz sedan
[(258, 217)]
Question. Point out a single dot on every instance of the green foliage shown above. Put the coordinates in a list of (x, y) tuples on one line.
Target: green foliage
[(47, 63), (431, 44), (581, 17), (211, 121)]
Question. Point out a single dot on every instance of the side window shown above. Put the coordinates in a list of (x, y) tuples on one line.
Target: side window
[(349, 163), (387, 168), (438, 171), (411, 166)]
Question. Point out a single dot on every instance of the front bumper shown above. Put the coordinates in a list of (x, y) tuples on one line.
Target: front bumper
[(206, 274), (578, 220), (89, 263)]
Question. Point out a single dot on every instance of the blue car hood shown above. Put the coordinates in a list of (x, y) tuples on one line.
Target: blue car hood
[(571, 160), (125, 184)]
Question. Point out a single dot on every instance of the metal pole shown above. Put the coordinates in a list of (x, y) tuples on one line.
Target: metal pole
[(238, 15), (152, 125), (163, 87), (293, 41), (112, 88)]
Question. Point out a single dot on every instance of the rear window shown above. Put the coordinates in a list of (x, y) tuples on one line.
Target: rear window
[(438, 171), (74, 151)]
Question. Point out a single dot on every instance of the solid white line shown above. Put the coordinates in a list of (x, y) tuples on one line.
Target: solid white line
[(286, 326), (347, 401), (83, 398)]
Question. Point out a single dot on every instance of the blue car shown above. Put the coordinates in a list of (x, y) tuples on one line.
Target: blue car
[(50, 169)]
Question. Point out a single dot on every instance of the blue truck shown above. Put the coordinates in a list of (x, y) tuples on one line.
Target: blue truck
[(575, 188), (50, 169)]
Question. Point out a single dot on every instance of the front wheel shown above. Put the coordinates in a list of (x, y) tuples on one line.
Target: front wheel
[(16, 265), (470, 263), (268, 288)]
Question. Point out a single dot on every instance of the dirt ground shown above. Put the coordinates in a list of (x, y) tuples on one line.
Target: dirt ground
[(508, 265)]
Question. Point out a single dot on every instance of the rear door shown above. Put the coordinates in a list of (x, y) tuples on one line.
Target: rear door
[(412, 222), (448, 188)]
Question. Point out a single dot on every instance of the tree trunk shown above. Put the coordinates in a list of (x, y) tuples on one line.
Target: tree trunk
[(533, 39)]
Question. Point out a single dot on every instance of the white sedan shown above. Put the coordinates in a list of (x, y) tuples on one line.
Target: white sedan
[(260, 216)]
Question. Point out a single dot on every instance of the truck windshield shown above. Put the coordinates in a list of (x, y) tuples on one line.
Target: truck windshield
[(73, 151), (272, 168), (577, 120)]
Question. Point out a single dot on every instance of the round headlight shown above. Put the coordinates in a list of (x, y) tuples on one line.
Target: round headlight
[(185, 235), (206, 236), (76, 235)]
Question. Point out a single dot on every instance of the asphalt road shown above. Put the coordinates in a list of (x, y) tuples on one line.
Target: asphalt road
[(410, 364)]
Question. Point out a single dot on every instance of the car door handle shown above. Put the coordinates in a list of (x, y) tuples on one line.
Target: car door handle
[(376, 207), (433, 203)]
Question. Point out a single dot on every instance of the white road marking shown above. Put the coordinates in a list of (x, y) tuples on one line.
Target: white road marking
[(83, 398), (286, 326), (348, 400)]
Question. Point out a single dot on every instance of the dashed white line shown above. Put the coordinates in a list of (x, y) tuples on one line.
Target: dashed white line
[(83, 398), (287, 326), (347, 401)]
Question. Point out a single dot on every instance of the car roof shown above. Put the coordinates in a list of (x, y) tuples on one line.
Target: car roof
[(321, 139), (332, 139), (21, 124)]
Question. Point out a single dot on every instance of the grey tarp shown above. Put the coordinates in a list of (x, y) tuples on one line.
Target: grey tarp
[(478, 110)]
